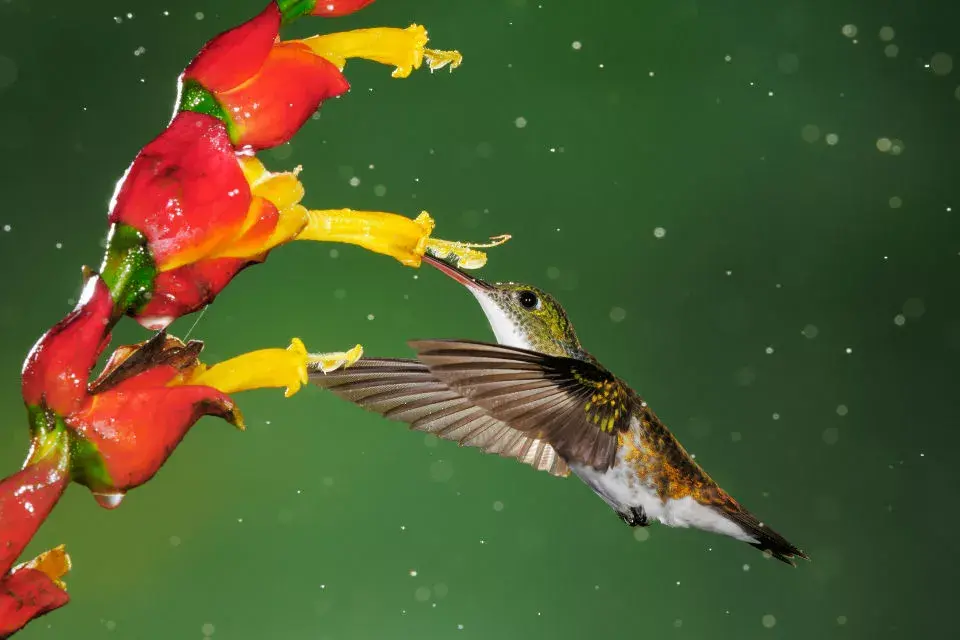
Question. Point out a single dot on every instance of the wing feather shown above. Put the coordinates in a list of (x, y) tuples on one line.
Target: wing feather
[(406, 391), (575, 405)]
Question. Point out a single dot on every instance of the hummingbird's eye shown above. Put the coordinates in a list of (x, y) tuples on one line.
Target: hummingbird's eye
[(528, 299)]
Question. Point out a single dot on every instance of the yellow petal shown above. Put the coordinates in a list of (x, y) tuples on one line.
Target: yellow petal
[(327, 362), (391, 234), (282, 189), (263, 369), (404, 49), (55, 563)]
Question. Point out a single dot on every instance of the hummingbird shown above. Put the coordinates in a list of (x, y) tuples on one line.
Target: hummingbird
[(537, 396)]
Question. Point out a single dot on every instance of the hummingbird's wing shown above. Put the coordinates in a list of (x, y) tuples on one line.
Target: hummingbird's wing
[(405, 390), (577, 406)]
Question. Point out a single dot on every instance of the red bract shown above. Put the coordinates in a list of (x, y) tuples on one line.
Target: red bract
[(26, 594), (26, 499), (266, 89), (27, 496), (188, 288), (184, 191), (56, 370), (139, 410)]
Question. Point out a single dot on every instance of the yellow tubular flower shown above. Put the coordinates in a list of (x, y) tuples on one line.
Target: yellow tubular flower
[(386, 233), (268, 368), (393, 235), (404, 49)]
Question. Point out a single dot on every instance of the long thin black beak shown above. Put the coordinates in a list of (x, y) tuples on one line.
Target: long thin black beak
[(463, 278)]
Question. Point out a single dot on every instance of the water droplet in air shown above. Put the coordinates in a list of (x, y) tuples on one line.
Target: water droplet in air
[(941, 63), (810, 133)]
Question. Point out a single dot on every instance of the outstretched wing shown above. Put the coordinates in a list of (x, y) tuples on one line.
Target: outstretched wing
[(406, 391), (577, 406)]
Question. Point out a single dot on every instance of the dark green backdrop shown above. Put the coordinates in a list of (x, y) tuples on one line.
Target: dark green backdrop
[(709, 119)]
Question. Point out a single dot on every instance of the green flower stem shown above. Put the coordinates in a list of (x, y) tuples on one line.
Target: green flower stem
[(293, 10)]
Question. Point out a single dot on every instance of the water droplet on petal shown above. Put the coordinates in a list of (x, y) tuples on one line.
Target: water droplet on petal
[(109, 500)]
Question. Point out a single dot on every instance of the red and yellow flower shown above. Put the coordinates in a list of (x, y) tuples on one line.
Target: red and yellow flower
[(264, 89), (191, 213), (124, 425), (34, 588)]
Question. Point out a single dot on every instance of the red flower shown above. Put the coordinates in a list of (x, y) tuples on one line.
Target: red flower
[(26, 499), (27, 593), (137, 412), (264, 89), (183, 190), (56, 370), (188, 288), (187, 200), (124, 425)]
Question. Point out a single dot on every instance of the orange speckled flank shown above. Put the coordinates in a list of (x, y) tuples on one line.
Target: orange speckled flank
[(659, 459)]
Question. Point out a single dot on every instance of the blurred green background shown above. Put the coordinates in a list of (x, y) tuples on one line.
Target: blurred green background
[(700, 182)]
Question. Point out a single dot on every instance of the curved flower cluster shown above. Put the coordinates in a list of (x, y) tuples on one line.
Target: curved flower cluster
[(194, 208)]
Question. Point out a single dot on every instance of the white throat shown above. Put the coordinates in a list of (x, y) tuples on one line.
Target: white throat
[(504, 330)]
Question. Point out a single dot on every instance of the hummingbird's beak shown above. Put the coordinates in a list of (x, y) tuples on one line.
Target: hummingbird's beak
[(471, 283)]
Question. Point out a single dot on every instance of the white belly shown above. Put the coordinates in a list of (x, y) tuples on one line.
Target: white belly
[(620, 488)]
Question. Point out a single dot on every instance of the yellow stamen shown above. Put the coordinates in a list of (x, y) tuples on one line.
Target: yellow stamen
[(263, 369), (465, 252), (55, 563), (391, 234), (327, 362), (404, 49)]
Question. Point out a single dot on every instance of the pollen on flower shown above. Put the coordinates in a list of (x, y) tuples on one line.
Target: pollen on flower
[(327, 362)]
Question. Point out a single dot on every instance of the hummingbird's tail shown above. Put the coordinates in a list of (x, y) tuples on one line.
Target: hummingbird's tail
[(767, 540)]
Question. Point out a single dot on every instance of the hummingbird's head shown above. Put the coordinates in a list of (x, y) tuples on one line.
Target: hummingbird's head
[(520, 315)]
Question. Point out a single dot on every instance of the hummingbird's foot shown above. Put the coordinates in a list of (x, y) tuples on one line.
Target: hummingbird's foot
[(637, 517)]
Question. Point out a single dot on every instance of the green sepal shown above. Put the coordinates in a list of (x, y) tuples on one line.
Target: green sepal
[(292, 10), (86, 463), (197, 98), (41, 422), (128, 269)]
